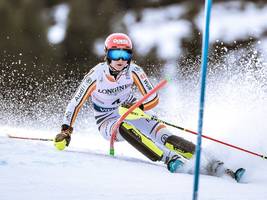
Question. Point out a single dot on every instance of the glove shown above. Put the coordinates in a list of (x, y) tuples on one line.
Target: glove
[(128, 105), (63, 138)]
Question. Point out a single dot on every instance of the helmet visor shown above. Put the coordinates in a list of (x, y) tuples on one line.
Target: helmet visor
[(117, 54)]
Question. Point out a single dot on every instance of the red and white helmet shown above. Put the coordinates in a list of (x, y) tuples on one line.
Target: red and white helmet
[(118, 41)]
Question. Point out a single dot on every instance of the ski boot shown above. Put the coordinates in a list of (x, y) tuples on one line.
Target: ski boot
[(237, 175), (174, 164)]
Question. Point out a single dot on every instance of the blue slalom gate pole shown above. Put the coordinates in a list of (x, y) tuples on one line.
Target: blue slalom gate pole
[(205, 51)]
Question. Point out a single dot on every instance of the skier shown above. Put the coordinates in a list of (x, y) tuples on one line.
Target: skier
[(110, 85)]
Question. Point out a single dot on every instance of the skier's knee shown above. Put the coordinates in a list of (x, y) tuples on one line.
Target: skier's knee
[(180, 146), (140, 142)]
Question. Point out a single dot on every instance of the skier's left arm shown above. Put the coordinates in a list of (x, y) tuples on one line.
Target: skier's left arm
[(144, 85), (81, 95)]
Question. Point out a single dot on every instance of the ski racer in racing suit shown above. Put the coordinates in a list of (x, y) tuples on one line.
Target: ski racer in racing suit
[(110, 85)]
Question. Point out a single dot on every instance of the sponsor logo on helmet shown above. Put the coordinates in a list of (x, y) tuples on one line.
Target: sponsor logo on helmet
[(120, 41)]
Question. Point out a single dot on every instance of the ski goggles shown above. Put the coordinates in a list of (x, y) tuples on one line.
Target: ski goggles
[(117, 54)]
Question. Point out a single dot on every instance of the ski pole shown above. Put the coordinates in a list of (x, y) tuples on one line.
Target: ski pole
[(138, 113), (29, 138), (215, 140)]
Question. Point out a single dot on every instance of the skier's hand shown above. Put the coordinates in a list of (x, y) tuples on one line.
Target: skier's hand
[(128, 105), (63, 138)]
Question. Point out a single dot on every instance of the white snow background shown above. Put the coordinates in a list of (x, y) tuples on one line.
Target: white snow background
[(235, 112)]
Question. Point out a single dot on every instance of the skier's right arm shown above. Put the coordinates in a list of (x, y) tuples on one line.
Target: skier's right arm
[(85, 89)]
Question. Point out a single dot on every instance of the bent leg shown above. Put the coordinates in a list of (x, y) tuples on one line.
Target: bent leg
[(174, 143), (180, 146), (106, 129), (142, 143), (151, 149)]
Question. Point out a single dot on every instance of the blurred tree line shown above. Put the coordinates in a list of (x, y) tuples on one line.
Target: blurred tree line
[(25, 48)]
